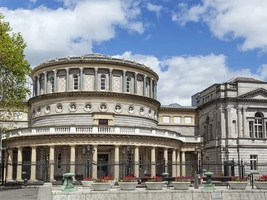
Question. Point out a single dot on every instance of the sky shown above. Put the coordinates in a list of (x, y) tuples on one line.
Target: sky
[(191, 44)]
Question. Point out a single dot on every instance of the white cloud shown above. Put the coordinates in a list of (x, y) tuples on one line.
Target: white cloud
[(68, 31), (229, 20), (154, 8), (33, 1), (187, 75)]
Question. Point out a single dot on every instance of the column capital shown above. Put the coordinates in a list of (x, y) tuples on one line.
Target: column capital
[(81, 68), (124, 71), (54, 70), (44, 72), (96, 69), (110, 70), (135, 73), (67, 69)]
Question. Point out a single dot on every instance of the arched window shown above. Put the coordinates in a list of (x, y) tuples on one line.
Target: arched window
[(103, 82), (59, 161), (128, 84), (75, 82), (256, 126), (52, 82)]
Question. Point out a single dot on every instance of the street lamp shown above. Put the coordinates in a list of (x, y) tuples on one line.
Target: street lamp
[(88, 149), (129, 161)]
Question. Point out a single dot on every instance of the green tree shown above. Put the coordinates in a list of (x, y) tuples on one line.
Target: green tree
[(14, 69)]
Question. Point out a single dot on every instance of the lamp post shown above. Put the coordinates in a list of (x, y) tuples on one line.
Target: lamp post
[(88, 149), (198, 152), (130, 152)]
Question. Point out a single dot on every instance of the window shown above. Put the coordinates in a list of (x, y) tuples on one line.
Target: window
[(188, 120), (59, 161), (256, 126), (75, 82), (103, 82), (103, 121), (52, 82), (128, 82), (166, 119), (253, 162), (140, 161), (177, 120)]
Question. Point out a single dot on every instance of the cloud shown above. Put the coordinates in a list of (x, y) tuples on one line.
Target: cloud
[(154, 8), (72, 30), (230, 20), (187, 75)]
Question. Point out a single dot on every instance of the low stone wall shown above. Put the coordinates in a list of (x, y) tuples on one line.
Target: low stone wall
[(221, 193)]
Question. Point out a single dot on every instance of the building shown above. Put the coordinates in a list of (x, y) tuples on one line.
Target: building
[(96, 115)]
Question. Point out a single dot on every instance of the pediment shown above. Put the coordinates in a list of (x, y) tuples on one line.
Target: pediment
[(260, 94)]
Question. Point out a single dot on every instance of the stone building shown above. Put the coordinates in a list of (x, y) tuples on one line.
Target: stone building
[(95, 116)]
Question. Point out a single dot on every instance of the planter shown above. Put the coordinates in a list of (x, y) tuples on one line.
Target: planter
[(238, 185), (112, 182), (127, 185), (154, 185), (261, 185), (181, 185), (87, 183), (100, 186)]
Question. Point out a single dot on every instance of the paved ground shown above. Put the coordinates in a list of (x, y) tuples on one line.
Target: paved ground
[(19, 194)]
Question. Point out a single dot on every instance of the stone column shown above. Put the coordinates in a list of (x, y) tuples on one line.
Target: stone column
[(123, 81), (135, 82), (136, 161), (239, 122), (174, 163), (183, 164), (117, 162), (94, 162), (228, 124), (33, 164), (110, 79), (72, 159), (34, 87), (55, 80), (153, 161), (178, 168), (245, 124), (155, 91), (67, 79), (144, 86), (166, 159), (52, 163), (81, 78), (151, 87), (9, 166), (45, 82), (223, 125), (19, 164), (38, 85), (96, 79)]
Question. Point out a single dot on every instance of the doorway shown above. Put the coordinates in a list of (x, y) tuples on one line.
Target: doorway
[(102, 165)]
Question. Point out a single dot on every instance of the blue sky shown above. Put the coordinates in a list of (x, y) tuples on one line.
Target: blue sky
[(191, 44)]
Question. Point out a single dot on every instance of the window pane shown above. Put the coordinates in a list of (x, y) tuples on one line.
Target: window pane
[(177, 120), (188, 120), (166, 119)]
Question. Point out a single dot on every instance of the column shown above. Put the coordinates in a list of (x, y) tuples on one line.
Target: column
[(33, 164), (223, 125), (239, 122), (67, 79), (34, 87), (136, 161), (55, 80), (153, 161), (155, 91), (198, 161), (228, 124), (52, 163), (72, 159), (38, 84), (19, 164), (245, 127), (110, 79), (117, 162), (45, 82), (135, 82), (94, 162), (81, 78), (9, 166), (151, 87), (144, 86), (166, 160), (123, 81), (174, 163), (96, 78), (183, 164), (178, 168)]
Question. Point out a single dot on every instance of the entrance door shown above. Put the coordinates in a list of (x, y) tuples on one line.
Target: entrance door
[(102, 165)]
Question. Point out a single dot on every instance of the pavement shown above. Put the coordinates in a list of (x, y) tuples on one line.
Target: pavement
[(24, 193)]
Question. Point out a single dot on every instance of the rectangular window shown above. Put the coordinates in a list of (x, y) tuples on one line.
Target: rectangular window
[(251, 129), (103, 121), (253, 162), (166, 119), (188, 120), (177, 120)]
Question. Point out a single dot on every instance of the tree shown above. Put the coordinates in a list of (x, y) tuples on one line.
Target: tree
[(14, 69)]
